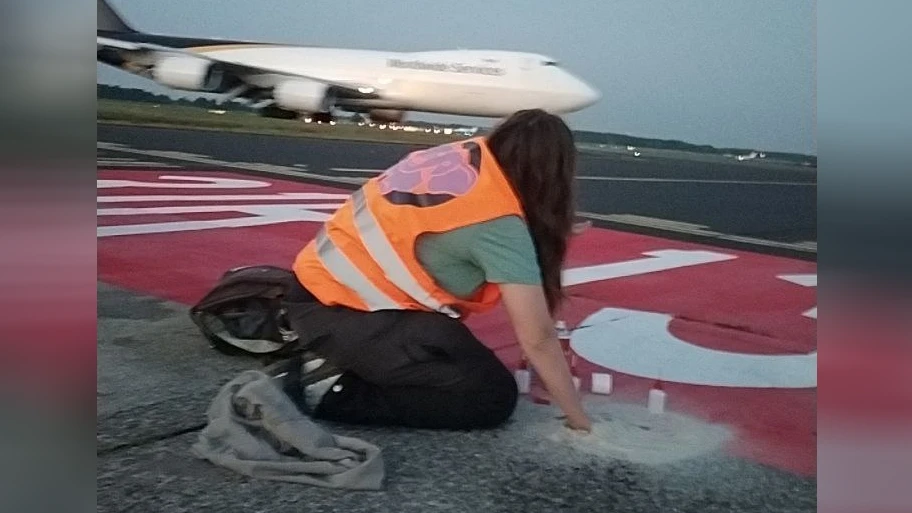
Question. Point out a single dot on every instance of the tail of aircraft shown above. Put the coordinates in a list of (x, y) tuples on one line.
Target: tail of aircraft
[(110, 21)]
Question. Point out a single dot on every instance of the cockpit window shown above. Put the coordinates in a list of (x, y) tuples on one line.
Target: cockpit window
[(549, 63)]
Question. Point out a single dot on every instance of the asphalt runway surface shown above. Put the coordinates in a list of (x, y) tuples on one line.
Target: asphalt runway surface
[(771, 208), (157, 377)]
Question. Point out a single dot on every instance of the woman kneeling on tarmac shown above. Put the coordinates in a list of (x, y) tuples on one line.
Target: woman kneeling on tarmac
[(446, 232)]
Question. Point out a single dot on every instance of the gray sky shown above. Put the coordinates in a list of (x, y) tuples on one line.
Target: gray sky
[(721, 72)]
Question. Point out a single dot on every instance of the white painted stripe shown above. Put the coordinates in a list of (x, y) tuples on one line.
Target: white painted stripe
[(259, 216), (204, 209), (247, 166), (183, 182), (133, 163), (653, 221), (764, 242), (282, 196), (695, 229)]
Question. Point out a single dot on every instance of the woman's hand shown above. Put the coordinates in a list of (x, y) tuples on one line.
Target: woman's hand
[(528, 311), (579, 424)]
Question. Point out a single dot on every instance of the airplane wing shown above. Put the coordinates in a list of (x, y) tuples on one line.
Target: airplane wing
[(241, 71)]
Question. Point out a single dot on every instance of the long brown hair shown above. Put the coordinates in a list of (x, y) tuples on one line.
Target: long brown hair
[(537, 153)]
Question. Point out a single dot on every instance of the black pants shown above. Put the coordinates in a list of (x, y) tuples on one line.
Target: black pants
[(406, 368)]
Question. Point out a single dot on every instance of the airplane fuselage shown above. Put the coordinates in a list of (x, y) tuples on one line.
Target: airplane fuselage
[(482, 83), (466, 82)]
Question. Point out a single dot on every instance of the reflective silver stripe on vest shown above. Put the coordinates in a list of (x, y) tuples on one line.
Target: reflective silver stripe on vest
[(387, 258), (349, 275)]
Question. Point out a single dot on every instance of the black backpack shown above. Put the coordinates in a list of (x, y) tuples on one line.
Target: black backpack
[(243, 313)]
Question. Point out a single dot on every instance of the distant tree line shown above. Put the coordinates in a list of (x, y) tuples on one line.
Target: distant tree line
[(112, 92), (609, 139)]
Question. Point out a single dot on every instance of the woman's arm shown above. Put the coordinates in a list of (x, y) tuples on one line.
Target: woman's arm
[(534, 327)]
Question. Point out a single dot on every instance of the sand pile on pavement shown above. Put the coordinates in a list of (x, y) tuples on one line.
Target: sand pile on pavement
[(621, 431)]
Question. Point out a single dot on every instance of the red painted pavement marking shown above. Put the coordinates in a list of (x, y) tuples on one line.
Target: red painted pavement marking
[(737, 305)]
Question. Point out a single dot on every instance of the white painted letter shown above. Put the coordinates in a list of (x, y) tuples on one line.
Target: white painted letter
[(661, 260), (639, 343)]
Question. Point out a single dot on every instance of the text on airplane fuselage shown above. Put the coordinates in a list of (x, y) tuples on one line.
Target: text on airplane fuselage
[(447, 67)]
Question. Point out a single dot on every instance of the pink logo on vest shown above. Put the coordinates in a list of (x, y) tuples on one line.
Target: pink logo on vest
[(429, 177)]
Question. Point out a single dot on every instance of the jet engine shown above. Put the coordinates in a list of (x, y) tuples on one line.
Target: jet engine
[(303, 96), (194, 74)]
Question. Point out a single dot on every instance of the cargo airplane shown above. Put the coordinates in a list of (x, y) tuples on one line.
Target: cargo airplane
[(292, 81)]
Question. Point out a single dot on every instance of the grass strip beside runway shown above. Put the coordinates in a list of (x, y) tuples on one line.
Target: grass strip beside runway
[(179, 116)]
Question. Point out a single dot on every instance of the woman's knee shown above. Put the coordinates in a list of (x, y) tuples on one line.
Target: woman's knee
[(494, 400)]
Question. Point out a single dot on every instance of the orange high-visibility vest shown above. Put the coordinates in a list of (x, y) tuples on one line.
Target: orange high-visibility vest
[(364, 255)]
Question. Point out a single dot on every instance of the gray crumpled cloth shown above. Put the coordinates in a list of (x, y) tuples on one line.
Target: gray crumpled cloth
[(256, 430)]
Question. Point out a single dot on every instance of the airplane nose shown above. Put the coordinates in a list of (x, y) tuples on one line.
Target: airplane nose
[(578, 95), (587, 95), (571, 93)]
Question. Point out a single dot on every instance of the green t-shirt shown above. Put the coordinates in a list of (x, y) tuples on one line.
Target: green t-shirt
[(496, 251)]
